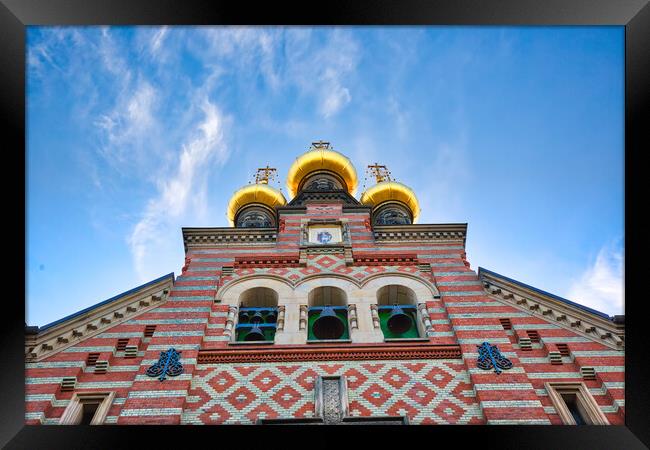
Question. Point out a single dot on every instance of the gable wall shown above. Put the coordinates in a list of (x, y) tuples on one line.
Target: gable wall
[(464, 315)]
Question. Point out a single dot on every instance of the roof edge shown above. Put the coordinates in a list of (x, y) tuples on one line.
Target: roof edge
[(540, 291), (105, 302)]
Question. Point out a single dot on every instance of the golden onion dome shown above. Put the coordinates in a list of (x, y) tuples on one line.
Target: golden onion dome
[(322, 158), (391, 191), (260, 193)]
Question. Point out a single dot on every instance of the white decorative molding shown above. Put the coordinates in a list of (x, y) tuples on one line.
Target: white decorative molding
[(72, 415), (352, 316), (375, 316), (280, 321), (426, 319), (563, 314), (302, 325), (210, 237), (43, 343), (230, 320), (421, 232), (593, 414)]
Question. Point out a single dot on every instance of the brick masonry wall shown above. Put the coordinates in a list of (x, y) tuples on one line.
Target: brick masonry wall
[(427, 391)]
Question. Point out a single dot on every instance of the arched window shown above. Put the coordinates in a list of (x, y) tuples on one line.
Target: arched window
[(322, 181), (393, 214), (258, 315), (327, 316), (397, 309), (254, 217)]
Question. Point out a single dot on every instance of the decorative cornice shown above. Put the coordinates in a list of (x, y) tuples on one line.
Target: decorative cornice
[(210, 237), (420, 232), (271, 261), (334, 352), (54, 338), (574, 317), (380, 259)]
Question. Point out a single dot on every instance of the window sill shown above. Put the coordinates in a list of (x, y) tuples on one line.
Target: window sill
[(251, 343), (321, 341), (406, 339)]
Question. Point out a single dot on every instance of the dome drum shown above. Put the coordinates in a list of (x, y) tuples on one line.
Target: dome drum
[(255, 215), (392, 203), (322, 180), (255, 204), (321, 159), (392, 212)]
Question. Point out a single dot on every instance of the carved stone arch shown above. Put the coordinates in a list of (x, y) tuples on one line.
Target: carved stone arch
[(328, 276), (349, 285), (417, 290), (423, 290), (231, 292)]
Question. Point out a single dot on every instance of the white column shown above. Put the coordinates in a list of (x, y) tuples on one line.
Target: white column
[(290, 331), (230, 321), (365, 331), (426, 319)]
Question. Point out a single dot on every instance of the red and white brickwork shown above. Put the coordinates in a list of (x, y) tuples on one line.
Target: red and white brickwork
[(427, 391)]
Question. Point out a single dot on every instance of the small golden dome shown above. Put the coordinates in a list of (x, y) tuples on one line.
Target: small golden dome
[(260, 193), (321, 158), (391, 191)]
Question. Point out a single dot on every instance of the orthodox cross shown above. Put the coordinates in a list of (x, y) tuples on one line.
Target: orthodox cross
[(490, 357), (168, 364), (381, 173), (265, 174), (321, 145)]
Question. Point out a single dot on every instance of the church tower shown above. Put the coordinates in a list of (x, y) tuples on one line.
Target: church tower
[(325, 308)]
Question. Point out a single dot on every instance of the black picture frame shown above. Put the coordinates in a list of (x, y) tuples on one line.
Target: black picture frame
[(634, 15)]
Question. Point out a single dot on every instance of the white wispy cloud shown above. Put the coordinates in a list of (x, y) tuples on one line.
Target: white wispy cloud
[(601, 285), (156, 42), (128, 125), (182, 193), (322, 66), (324, 69)]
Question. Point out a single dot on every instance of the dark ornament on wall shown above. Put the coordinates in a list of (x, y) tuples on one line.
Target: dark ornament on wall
[(168, 364), (489, 357)]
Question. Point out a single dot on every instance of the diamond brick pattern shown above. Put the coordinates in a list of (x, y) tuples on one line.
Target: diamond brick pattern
[(421, 394), (266, 380), (428, 392), (376, 395), (286, 397), (355, 378), (241, 398), (437, 377), (324, 262), (396, 378)]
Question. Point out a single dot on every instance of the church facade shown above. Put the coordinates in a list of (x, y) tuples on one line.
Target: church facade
[(328, 309)]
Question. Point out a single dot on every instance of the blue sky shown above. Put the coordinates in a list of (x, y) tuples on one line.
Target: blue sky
[(135, 132)]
